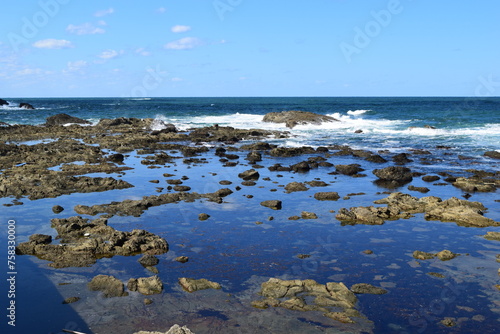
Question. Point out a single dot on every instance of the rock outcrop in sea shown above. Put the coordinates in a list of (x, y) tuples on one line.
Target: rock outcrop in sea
[(296, 117)]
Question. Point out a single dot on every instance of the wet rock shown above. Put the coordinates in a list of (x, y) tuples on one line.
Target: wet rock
[(248, 175), (296, 117), (294, 218), (477, 184), (25, 105), (182, 259), (308, 215), (327, 196), (360, 288), (109, 285), (301, 167), (295, 186), (290, 151), (446, 255), (431, 178), (175, 329), (191, 285), (376, 159), (62, 119), (419, 189), (254, 156), (82, 242), (148, 260), (316, 183), (398, 174), (492, 236), (3, 102), (350, 170), (448, 322), (303, 256), (401, 159), (146, 285), (273, 204), (419, 255), (366, 215), (492, 154), (203, 216), (71, 300)]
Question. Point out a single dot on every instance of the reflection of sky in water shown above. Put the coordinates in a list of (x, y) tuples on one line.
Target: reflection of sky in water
[(231, 249)]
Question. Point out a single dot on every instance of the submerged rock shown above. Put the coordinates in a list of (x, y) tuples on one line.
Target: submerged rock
[(109, 285), (62, 119), (296, 117), (25, 105), (327, 196), (273, 204), (295, 186), (360, 288), (443, 255)]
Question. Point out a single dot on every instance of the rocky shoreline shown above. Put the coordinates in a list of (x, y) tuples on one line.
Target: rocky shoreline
[(63, 158)]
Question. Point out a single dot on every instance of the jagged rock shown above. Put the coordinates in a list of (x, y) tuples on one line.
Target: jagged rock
[(478, 184), (175, 329), (296, 117), (295, 186), (291, 151), (191, 285), (327, 196), (109, 285), (308, 215), (82, 242), (419, 255), (3, 102), (273, 204), (148, 260), (366, 215), (25, 105), (492, 154), (398, 174), (62, 119), (360, 288), (145, 285)]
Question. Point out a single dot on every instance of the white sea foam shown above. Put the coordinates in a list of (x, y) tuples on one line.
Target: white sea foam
[(357, 112)]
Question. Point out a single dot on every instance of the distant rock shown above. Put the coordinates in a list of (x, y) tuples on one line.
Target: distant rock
[(297, 117), (26, 106), (61, 119), (492, 154), (3, 102)]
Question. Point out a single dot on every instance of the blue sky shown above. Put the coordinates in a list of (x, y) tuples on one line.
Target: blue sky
[(106, 48)]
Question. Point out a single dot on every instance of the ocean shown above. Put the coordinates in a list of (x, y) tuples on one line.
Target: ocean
[(243, 244)]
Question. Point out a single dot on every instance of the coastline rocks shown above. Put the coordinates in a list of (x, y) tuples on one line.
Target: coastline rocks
[(62, 119), (492, 236), (191, 285), (3, 102), (109, 285), (149, 260), (492, 154), (82, 242), (480, 182), (296, 117), (249, 175), (146, 285), (351, 170), (272, 204), (444, 255), (25, 105), (175, 329), (365, 215)]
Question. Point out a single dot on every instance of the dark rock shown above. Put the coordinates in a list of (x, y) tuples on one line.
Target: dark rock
[(290, 151), (431, 178), (376, 159), (182, 259), (273, 204), (254, 156), (296, 117), (251, 174), (316, 183), (351, 169), (57, 209), (148, 260), (40, 239), (3, 102), (492, 154), (401, 159), (301, 167), (117, 157), (327, 196), (182, 188), (398, 174), (25, 105), (203, 216), (62, 119), (367, 288), (419, 189), (71, 300), (308, 215), (109, 285)]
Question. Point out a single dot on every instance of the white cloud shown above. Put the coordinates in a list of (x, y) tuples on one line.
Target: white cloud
[(104, 12), (52, 43), (110, 54), (161, 10), (85, 29), (143, 52), (185, 43), (180, 28), (76, 65), (176, 79)]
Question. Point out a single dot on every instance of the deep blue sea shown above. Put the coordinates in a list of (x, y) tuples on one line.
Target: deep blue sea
[(243, 244)]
